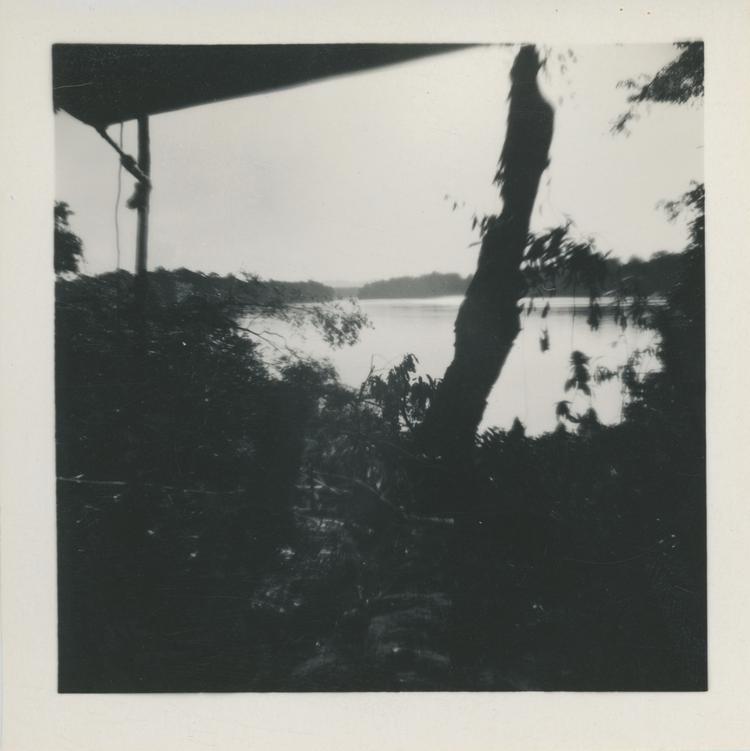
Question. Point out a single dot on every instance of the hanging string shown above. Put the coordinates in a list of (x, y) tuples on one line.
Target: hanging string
[(117, 205)]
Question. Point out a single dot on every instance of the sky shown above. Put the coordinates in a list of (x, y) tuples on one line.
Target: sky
[(354, 178)]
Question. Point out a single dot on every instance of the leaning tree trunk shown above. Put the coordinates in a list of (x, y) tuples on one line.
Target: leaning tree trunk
[(488, 319)]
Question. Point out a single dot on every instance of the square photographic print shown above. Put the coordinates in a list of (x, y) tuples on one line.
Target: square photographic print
[(380, 367)]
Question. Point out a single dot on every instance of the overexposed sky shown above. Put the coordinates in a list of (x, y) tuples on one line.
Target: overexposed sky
[(345, 179)]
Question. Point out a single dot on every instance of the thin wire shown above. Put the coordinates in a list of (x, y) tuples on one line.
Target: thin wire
[(117, 205)]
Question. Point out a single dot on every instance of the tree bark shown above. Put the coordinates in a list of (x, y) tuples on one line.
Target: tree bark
[(488, 319)]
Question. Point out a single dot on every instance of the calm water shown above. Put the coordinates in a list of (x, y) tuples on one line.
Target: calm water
[(531, 382)]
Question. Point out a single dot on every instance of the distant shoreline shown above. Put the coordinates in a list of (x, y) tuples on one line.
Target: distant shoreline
[(653, 277), (557, 303)]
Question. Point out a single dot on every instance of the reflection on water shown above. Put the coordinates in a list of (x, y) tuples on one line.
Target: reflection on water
[(531, 382)]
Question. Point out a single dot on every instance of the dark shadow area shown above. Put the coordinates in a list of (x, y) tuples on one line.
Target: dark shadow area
[(225, 528)]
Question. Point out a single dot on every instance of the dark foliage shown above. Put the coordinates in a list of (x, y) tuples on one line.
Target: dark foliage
[(680, 388), (186, 401), (67, 245), (578, 564), (678, 82), (246, 289), (580, 376), (178, 454)]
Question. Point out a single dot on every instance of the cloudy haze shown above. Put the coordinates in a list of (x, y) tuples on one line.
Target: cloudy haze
[(346, 179)]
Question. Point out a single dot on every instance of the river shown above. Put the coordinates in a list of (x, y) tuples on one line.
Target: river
[(532, 381)]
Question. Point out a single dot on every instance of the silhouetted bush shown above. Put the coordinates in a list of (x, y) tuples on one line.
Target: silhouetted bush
[(223, 526)]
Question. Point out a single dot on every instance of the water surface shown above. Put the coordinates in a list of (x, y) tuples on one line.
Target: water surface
[(531, 382)]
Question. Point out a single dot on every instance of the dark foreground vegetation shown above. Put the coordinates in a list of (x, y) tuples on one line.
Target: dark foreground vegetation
[(224, 526)]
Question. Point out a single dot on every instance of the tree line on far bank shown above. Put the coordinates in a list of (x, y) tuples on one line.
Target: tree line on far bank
[(654, 276)]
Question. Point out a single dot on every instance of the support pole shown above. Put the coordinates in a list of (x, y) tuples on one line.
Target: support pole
[(140, 201), (144, 197)]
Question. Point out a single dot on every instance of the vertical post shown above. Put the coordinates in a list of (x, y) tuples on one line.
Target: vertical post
[(144, 162), (140, 361)]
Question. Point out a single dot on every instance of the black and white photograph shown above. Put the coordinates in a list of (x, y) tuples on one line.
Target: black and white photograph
[(380, 367), (374, 376)]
